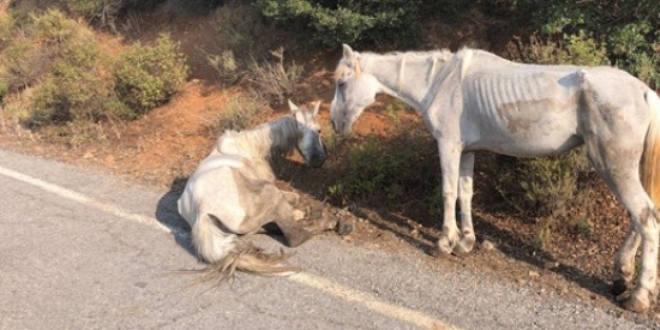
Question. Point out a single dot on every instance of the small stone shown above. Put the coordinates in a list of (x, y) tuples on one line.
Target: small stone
[(487, 245), (414, 232), (550, 264), (88, 155), (347, 238), (298, 215), (533, 273)]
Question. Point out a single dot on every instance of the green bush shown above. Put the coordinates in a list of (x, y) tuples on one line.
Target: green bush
[(24, 64), (75, 89), (627, 30), (390, 167), (332, 22), (148, 76), (4, 90)]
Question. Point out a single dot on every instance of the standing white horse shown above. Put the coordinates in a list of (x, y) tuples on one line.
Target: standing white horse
[(232, 192), (474, 100)]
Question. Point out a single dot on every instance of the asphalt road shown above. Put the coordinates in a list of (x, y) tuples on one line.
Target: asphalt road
[(82, 250)]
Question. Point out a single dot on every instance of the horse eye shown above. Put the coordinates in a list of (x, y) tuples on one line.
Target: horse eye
[(341, 84)]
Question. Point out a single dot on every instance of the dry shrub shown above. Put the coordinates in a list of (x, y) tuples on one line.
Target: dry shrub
[(240, 112), (274, 81)]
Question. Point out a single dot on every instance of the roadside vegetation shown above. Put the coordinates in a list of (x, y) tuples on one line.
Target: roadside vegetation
[(57, 78)]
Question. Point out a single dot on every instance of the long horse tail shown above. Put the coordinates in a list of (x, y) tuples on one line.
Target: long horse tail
[(226, 254), (649, 170)]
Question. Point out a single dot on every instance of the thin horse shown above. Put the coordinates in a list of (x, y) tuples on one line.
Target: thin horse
[(474, 100), (232, 192)]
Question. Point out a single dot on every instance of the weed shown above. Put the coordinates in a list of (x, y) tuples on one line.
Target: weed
[(238, 113), (226, 66), (543, 236), (275, 82)]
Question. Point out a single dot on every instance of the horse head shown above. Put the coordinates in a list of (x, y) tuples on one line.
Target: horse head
[(354, 91), (310, 145)]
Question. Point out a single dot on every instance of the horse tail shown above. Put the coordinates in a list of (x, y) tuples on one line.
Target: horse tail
[(651, 156), (226, 255)]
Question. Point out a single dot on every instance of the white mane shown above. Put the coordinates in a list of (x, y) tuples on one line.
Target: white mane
[(262, 141)]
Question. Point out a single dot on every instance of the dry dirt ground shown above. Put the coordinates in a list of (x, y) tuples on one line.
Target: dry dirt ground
[(164, 147)]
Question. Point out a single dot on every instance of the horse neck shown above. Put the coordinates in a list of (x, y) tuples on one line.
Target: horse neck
[(274, 137), (406, 76)]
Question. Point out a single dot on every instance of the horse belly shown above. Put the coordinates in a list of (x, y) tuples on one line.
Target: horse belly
[(530, 129)]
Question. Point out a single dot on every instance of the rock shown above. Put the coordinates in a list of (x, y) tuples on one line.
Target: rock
[(533, 273), (298, 215), (487, 245), (550, 264)]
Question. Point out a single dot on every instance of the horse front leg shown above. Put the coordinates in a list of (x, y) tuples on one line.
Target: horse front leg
[(465, 193), (450, 155)]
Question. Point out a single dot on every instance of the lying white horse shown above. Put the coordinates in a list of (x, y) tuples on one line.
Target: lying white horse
[(232, 192), (474, 100)]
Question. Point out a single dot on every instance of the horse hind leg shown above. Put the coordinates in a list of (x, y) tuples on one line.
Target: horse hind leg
[(294, 233), (624, 262), (619, 165), (211, 242)]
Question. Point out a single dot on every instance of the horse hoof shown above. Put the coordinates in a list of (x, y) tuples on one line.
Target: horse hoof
[(639, 302), (446, 245), (618, 287), (464, 246), (344, 227)]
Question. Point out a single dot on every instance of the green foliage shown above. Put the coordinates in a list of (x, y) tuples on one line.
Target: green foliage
[(4, 90), (148, 76), (60, 58), (24, 63), (627, 30), (332, 22), (71, 82), (226, 66), (577, 50), (541, 187), (391, 168)]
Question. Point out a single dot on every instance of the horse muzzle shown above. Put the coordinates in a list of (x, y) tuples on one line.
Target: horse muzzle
[(317, 160)]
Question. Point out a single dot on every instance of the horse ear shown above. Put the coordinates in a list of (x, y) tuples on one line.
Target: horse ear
[(293, 107), (317, 105), (348, 53)]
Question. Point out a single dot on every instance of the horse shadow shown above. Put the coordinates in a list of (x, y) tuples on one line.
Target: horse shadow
[(396, 222), (167, 213), (507, 243)]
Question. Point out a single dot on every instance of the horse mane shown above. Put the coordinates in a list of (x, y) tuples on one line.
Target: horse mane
[(275, 137), (441, 55)]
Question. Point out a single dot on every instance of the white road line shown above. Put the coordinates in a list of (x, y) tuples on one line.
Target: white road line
[(369, 301), (322, 284)]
